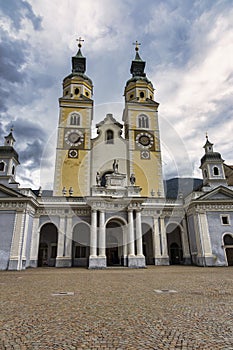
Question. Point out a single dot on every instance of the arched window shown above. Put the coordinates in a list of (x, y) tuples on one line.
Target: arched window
[(205, 173), (143, 121), (13, 170), (216, 171), (2, 166), (228, 240), (75, 119), (109, 136)]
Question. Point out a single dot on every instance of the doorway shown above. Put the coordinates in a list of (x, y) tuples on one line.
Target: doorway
[(114, 243), (228, 243), (47, 252), (174, 244)]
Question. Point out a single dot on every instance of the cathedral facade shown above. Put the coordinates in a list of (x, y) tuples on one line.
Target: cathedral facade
[(109, 206)]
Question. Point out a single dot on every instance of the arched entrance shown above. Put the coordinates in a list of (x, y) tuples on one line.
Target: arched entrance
[(48, 245), (174, 244), (114, 243), (228, 244), (147, 242), (81, 244)]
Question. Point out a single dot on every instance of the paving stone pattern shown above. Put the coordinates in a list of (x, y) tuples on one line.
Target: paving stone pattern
[(117, 309)]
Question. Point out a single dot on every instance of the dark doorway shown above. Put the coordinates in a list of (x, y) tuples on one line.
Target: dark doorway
[(147, 244), (48, 245), (229, 254), (174, 244), (43, 255), (81, 244), (114, 243), (176, 254), (228, 242), (112, 256)]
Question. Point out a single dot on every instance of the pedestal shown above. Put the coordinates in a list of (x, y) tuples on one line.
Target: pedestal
[(97, 262), (136, 262)]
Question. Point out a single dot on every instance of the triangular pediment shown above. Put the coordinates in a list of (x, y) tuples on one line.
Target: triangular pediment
[(6, 192), (219, 193)]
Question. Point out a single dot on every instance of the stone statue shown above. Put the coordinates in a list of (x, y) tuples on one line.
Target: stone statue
[(115, 166), (98, 179), (132, 179)]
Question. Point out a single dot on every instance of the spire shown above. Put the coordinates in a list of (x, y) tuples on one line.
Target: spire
[(79, 61), (138, 65), (9, 139), (208, 145)]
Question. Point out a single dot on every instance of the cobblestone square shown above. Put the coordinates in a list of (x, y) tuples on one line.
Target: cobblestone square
[(172, 307)]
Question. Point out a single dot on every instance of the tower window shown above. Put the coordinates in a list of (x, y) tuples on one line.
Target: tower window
[(13, 170), (2, 166), (75, 119), (216, 171), (143, 121), (205, 173), (109, 136), (87, 94), (142, 95), (76, 91)]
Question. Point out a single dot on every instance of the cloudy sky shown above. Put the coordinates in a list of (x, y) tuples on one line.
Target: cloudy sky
[(188, 49)]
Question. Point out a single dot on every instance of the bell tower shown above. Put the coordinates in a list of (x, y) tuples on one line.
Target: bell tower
[(212, 166), (72, 169), (142, 130), (9, 160)]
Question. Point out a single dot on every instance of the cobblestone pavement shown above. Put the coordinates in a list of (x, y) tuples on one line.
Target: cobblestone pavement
[(120, 309)]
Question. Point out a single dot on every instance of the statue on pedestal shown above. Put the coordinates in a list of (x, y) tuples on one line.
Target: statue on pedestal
[(132, 179), (98, 179), (115, 166)]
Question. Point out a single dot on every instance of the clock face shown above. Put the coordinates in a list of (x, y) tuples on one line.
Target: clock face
[(145, 155), (144, 140), (74, 137), (73, 153)]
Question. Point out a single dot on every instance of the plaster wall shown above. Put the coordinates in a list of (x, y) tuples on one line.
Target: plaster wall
[(7, 219)]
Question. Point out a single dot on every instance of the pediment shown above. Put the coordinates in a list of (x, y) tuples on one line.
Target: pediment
[(219, 193), (6, 192)]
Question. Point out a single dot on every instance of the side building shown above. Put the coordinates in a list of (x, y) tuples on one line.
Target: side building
[(109, 206)]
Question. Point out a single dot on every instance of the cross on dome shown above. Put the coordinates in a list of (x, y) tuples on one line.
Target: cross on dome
[(80, 40), (137, 44)]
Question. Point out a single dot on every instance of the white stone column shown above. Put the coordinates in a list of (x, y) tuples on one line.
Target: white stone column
[(139, 233), (68, 243), (60, 244), (35, 243), (156, 242), (163, 237), (185, 243), (165, 257), (24, 256), (205, 239), (16, 244), (93, 243), (131, 249), (102, 234)]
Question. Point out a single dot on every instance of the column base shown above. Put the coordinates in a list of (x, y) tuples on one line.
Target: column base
[(63, 261), (13, 265), (187, 260), (33, 263), (97, 262), (206, 261), (136, 262), (161, 261)]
